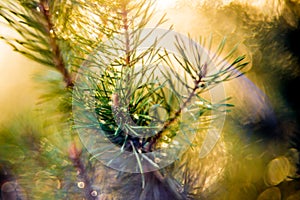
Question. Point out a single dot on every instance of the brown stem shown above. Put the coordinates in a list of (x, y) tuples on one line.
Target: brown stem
[(127, 40), (159, 176), (75, 156), (174, 118), (124, 15), (57, 57)]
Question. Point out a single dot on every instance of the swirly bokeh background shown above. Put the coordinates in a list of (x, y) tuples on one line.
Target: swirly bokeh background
[(258, 154)]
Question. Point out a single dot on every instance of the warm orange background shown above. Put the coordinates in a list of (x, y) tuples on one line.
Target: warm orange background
[(17, 89)]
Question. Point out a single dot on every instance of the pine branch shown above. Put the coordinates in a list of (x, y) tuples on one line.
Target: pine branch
[(75, 156), (57, 55), (168, 123), (33, 21), (127, 39)]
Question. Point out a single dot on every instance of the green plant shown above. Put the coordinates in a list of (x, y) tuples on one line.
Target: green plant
[(136, 109)]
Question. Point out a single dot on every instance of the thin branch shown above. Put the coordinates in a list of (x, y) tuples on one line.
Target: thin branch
[(159, 176), (154, 139), (127, 40), (75, 156), (57, 56)]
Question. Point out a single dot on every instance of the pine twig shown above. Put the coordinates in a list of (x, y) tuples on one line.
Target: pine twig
[(75, 156), (154, 139), (57, 57), (127, 39)]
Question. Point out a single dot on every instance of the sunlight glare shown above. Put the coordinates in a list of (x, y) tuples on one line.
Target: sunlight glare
[(164, 4)]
